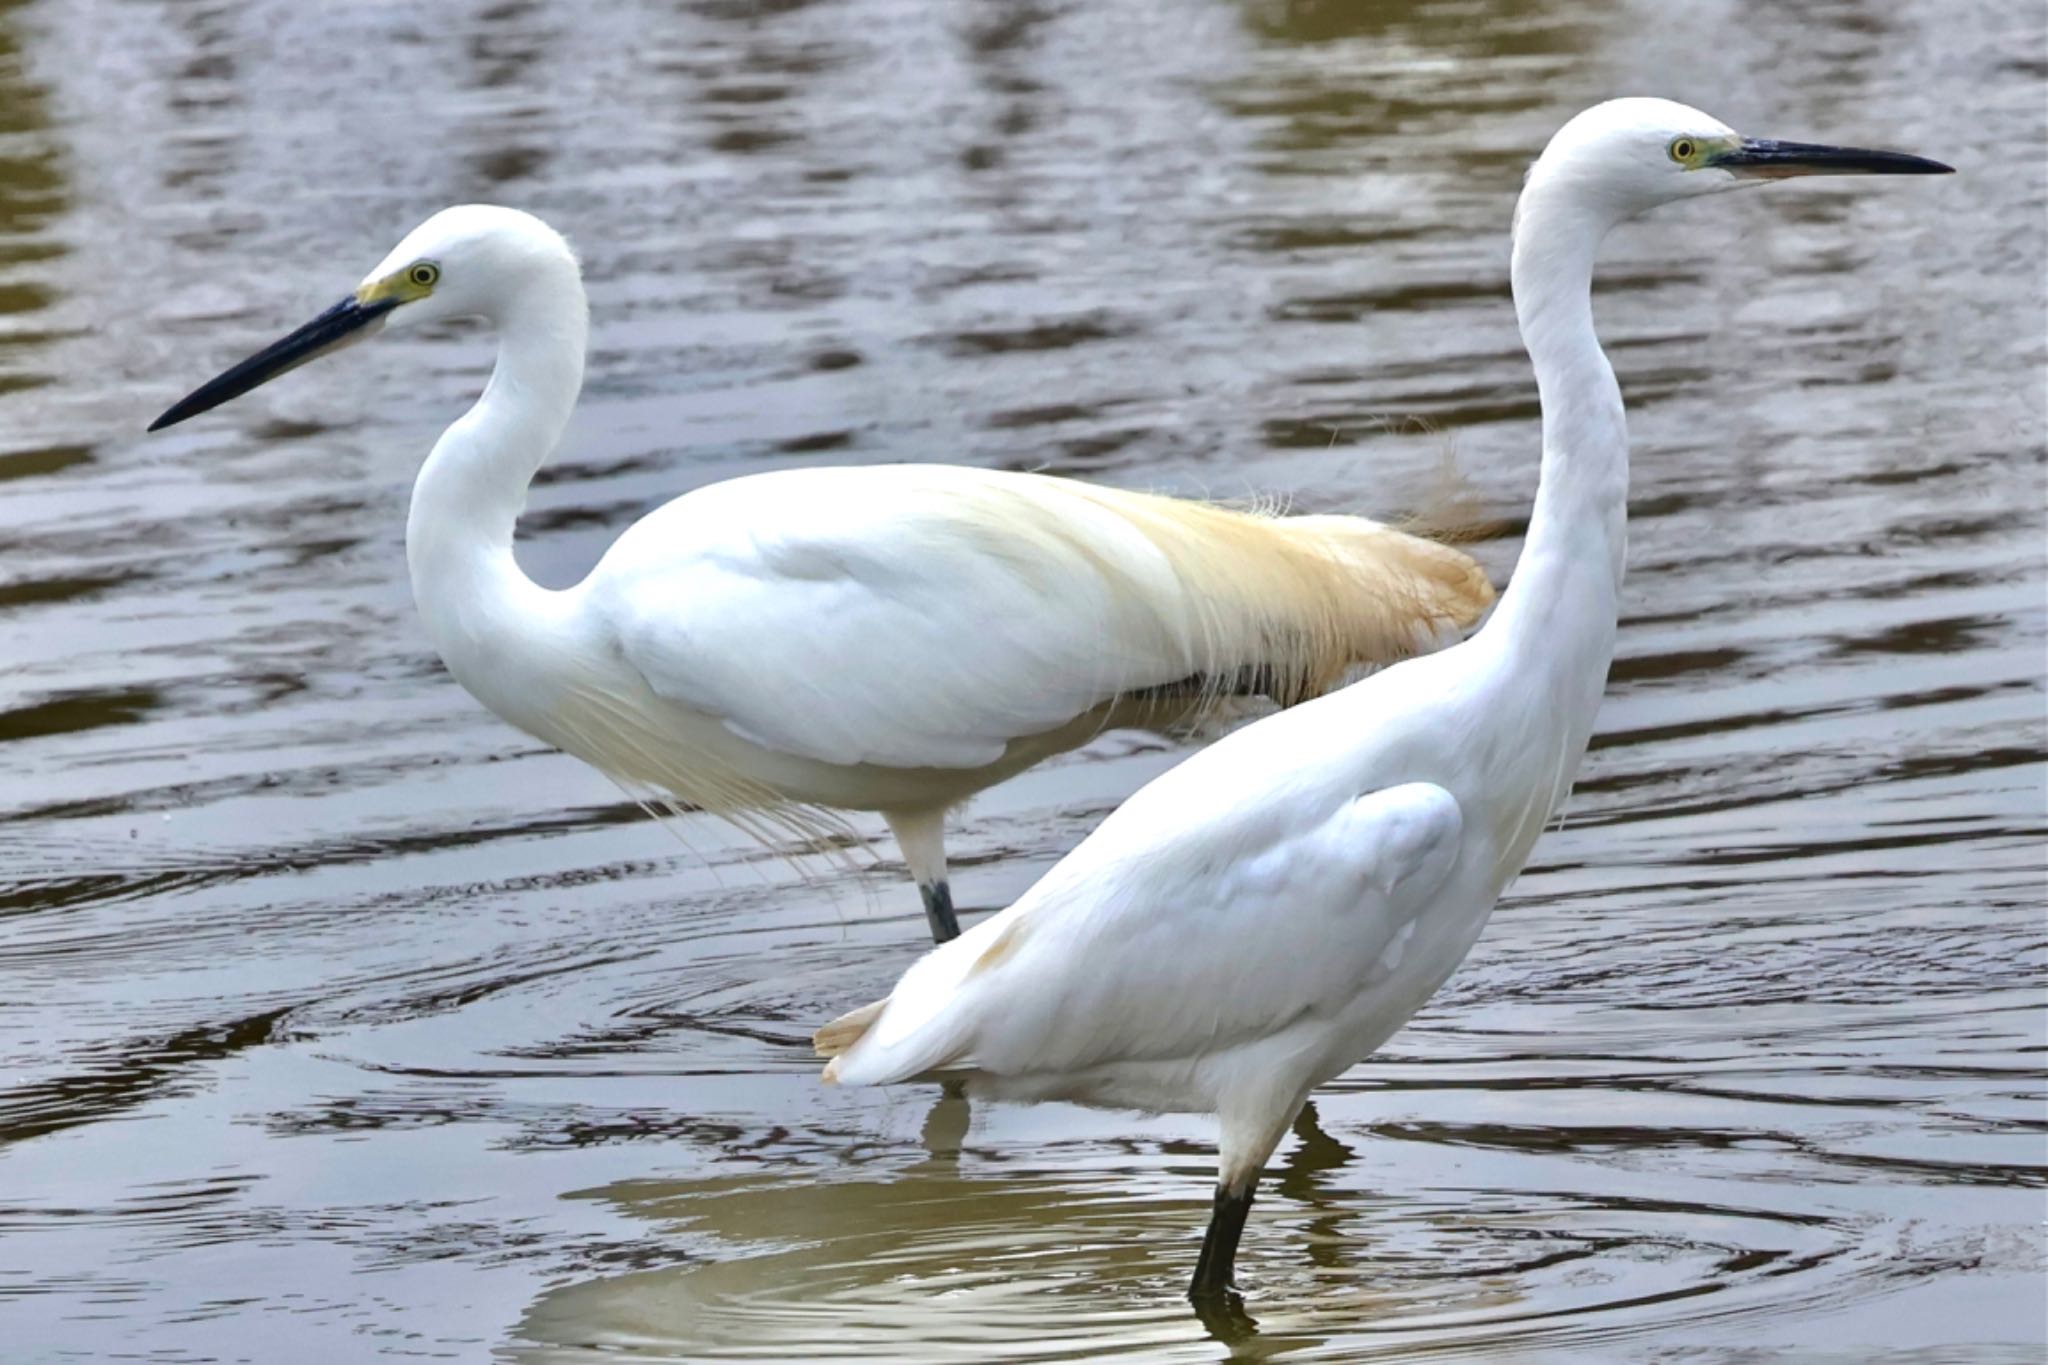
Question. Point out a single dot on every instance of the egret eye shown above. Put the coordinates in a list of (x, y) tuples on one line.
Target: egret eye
[(424, 274), (1683, 149)]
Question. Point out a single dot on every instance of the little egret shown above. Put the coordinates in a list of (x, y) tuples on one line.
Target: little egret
[(888, 638), (1262, 917)]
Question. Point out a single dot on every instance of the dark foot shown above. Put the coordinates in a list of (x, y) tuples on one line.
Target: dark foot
[(1211, 1287), (938, 912), (1226, 1318)]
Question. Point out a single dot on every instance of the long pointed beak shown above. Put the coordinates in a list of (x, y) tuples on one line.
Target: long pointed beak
[(345, 323), (1762, 158)]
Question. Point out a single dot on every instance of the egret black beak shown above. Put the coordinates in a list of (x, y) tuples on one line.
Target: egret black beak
[(346, 322), (1762, 158)]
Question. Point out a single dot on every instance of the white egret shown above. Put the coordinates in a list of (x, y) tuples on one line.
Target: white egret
[(1263, 916), (890, 638)]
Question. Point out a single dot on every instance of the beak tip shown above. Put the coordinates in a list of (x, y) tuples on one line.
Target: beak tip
[(176, 413)]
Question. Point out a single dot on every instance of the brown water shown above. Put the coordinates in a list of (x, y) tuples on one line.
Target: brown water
[(341, 1022)]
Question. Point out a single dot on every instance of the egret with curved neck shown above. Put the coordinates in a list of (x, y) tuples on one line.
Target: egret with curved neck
[(888, 638), (1261, 918)]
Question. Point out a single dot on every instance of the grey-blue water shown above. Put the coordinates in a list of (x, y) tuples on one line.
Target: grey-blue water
[(340, 1022)]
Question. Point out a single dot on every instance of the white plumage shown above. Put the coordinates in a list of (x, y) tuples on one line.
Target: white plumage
[(931, 616), (890, 638), (1260, 918)]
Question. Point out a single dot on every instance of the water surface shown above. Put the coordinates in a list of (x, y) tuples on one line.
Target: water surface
[(342, 1022)]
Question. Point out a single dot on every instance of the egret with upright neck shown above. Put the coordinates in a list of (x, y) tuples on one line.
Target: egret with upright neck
[(887, 638), (1261, 918)]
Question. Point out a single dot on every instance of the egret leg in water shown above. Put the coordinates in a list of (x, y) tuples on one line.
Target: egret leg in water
[(1259, 919), (1213, 1267), (922, 837), (739, 650)]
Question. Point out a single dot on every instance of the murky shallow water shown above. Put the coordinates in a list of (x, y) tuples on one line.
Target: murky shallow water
[(340, 1021)]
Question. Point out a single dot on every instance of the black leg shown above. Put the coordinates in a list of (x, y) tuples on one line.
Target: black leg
[(938, 912), (1219, 1246)]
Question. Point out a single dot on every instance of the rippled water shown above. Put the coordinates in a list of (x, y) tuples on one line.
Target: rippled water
[(340, 1021)]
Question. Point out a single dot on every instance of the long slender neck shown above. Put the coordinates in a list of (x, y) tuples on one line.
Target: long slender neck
[(478, 604), (1559, 610)]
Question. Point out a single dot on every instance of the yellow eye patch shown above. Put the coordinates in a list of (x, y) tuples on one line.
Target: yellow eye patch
[(415, 281), (1694, 152)]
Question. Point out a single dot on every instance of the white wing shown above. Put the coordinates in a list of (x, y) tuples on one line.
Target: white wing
[(1147, 947), (907, 617), (928, 615)]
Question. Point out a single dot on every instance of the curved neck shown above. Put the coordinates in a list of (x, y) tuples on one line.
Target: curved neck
[(1561, 603), (458, 535)]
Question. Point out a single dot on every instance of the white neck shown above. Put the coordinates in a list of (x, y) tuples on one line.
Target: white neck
[(1558, 614), (477, 603)]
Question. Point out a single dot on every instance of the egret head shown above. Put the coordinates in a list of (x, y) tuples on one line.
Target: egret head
[(473, 260), (1630, 155)]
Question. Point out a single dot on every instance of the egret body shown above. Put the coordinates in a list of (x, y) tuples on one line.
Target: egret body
[(1262, 917), (886, 638)]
